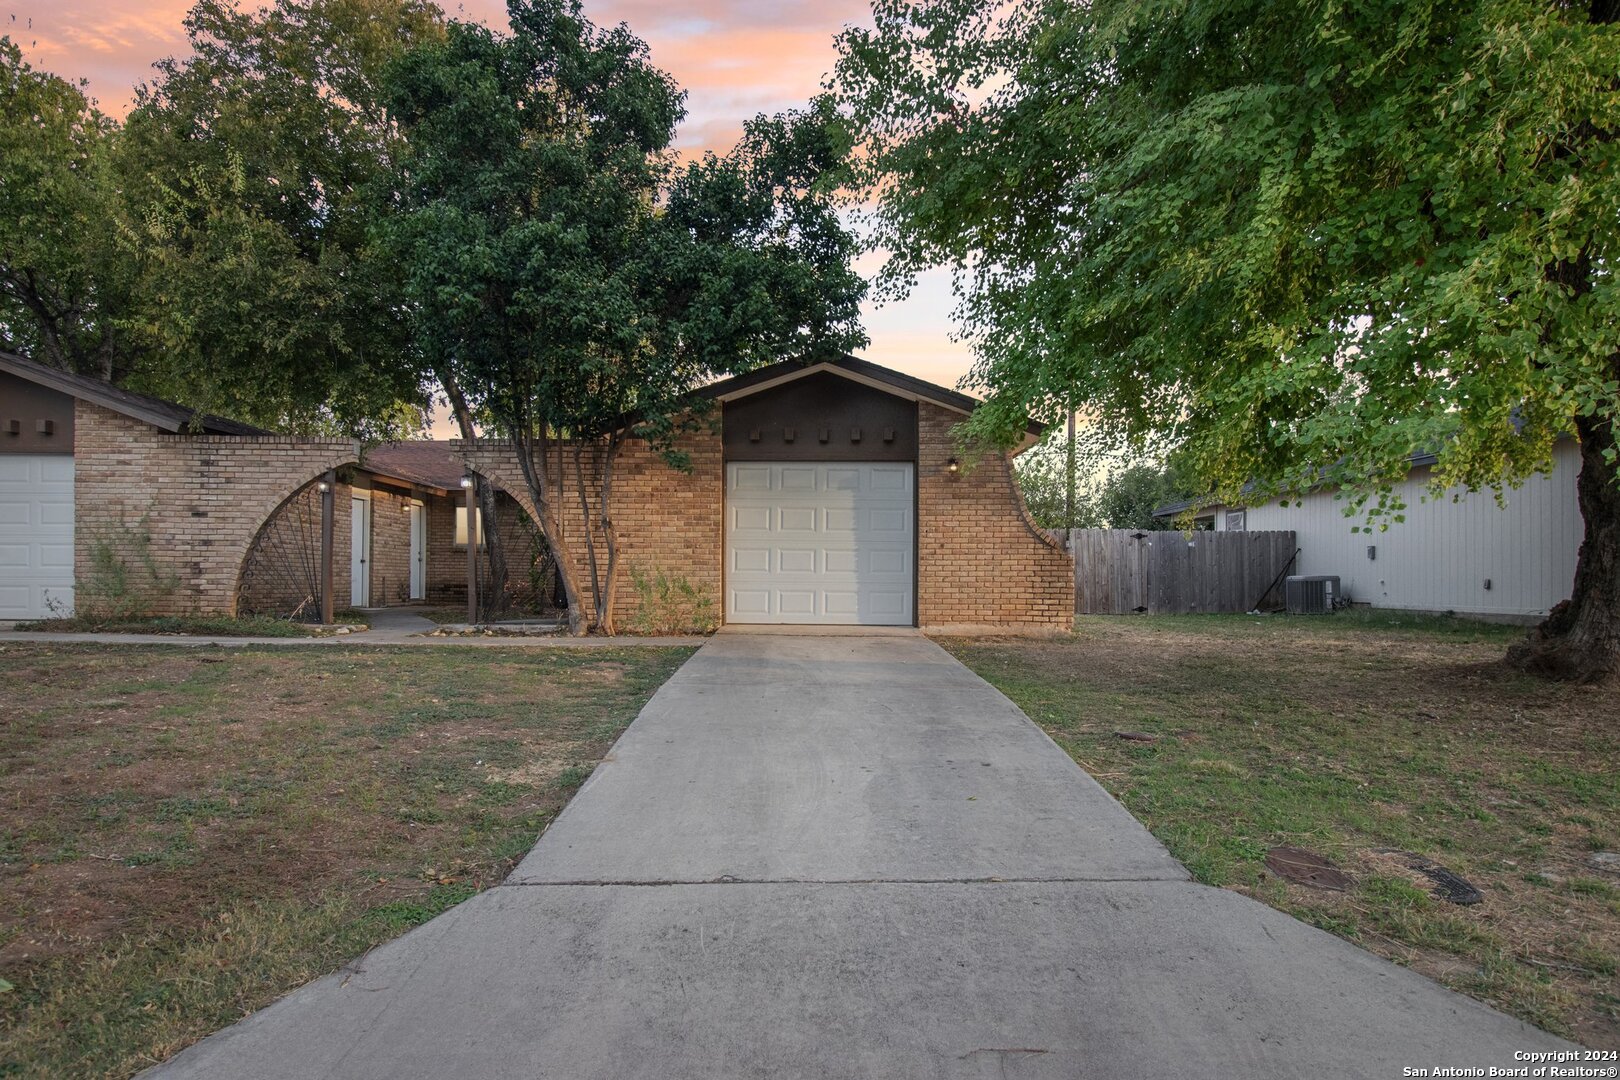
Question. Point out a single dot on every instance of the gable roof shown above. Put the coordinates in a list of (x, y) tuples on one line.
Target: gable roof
[(149, 410), (420, 461), (856, 370)]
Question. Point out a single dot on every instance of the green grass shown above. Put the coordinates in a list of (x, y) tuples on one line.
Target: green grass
[(1349, 734), (189, 834)]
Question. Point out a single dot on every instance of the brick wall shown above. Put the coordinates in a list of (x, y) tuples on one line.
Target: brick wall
[(982, 564), (204, 498), (667, 520), (389, 561), (981, 561)]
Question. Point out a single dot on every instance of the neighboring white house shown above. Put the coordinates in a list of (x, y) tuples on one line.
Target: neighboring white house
[(1454, 552)]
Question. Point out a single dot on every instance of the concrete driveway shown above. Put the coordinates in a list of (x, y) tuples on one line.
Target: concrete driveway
[(829, 856)]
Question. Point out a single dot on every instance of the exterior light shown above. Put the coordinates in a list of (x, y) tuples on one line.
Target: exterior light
[(323, 487), (952, 466), (466, 481)]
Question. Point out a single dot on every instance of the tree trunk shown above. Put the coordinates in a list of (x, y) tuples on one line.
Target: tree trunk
[(532, 459), (494, 548), (590, 532), (610, 536), (1580, 639)]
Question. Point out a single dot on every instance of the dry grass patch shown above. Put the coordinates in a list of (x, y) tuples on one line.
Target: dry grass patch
[(1351, 736), (187, 834)]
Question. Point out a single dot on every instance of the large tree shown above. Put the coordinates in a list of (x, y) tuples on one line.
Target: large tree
[(251, 172), (578, 284), (62, 284), (1297, 241)]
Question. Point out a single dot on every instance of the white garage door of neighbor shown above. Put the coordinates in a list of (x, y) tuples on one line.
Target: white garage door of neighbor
[(831, 542), (36, 535)]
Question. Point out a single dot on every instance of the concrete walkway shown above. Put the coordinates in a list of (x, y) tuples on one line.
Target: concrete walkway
[(850, 857)]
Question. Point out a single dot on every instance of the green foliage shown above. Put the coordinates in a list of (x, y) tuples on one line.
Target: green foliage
[(1299, 241), (1043, 478), (124, 579), (1127, 499), (671, 604), (254, 171), (60, 292), (1116, 497)]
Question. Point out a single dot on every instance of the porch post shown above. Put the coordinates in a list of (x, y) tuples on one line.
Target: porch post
[(328, 497), (470, 484)]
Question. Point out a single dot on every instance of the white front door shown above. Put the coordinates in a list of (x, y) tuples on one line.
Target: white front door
[(360, 550), (821, 542), (418, 551), (36, 535)]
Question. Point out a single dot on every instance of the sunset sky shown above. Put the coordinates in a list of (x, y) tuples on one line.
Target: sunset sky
[(734, 58)]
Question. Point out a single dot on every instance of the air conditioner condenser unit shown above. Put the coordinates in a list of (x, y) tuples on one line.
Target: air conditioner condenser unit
[(1313, 594)]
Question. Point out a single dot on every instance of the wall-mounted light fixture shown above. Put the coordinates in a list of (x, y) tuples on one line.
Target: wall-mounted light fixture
[(953, 466), (466, 482), (323, 487)]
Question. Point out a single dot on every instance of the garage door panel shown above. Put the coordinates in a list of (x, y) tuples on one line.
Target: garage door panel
[(890, 478), (887, 523), (796, 519), (796, 602), (889, 562), (821, 543), (798, 478), (796, 561), (36, 535), (843, 479), (751, 478), (751, 517)]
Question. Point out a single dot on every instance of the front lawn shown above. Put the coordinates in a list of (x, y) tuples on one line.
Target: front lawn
[(1349, 736), (204, 625), (187, 834)]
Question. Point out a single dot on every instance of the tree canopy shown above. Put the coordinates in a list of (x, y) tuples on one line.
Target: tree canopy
[(61, 291), (254, 171), (1297, 242)]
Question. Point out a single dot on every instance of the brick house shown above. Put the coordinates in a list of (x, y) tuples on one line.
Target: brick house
[(830, 493)]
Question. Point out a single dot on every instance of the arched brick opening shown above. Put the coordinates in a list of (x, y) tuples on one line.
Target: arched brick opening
[(272, 504)]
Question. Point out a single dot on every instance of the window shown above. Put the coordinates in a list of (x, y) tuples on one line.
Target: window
[(1236, 520), (461, 526)]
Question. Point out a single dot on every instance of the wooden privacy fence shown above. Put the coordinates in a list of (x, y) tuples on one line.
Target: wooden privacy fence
[(1120, 571)]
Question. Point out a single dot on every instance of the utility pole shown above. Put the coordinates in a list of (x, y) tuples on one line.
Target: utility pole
[(1068, 501)]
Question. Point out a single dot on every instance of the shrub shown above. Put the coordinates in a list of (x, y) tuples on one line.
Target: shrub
[(671, 604), (124, 579)]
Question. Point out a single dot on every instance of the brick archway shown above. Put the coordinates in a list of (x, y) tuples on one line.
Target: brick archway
[(253, 555)]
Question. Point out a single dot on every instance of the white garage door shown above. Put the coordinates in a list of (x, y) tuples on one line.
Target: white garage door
[(36, 534), (820, 543)]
